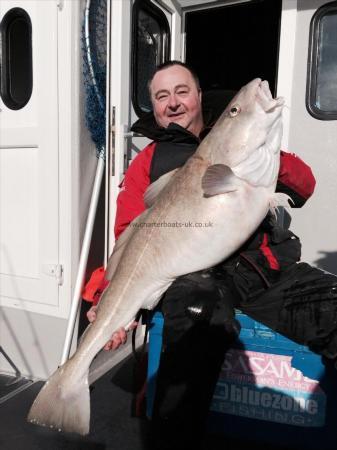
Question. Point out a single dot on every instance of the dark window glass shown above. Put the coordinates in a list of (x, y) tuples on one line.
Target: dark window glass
[(151, 35), (322, 75), (17, 65)]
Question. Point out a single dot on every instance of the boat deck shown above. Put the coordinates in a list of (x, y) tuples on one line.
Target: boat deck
[(112, 425)]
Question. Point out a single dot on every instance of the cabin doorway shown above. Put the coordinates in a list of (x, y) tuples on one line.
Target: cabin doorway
[(230, 45)]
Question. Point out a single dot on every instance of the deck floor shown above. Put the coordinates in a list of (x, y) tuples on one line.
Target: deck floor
[(112, 424)]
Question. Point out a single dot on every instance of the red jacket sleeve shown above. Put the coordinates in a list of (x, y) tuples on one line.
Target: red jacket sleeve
[(130, 202), (295, 179)]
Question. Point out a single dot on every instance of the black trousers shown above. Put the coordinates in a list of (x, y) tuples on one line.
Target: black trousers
[(199, 326), (301, 305)]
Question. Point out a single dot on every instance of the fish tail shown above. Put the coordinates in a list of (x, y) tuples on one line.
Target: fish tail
[(63, 404)]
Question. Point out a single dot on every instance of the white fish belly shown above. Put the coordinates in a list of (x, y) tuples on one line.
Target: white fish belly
[(213, 232), (188, 239)]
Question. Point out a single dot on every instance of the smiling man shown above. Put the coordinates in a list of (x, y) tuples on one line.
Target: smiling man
[(198, 308), (176, 97)]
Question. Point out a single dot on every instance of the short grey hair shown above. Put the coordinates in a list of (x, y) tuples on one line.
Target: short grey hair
[(172, 63)]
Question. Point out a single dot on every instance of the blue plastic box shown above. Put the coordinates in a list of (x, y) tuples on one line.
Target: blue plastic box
[(270, 389)]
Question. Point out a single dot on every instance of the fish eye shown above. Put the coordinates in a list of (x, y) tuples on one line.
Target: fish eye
[(235, 110)]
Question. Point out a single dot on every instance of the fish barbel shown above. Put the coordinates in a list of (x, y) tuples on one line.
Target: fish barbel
[(197, 216)]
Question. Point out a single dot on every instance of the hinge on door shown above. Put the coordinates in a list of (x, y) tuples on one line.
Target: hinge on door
[(54, 270)]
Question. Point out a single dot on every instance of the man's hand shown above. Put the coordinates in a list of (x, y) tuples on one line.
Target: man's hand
[(91, 314), (119, 337)]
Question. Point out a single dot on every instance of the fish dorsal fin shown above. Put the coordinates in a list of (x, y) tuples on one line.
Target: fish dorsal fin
[(120, 245), (155, 188), (218, 179)]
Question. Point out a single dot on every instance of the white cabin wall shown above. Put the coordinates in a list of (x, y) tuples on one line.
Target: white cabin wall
[(32, 341), (286, 63), (315, 142), (33, 337)]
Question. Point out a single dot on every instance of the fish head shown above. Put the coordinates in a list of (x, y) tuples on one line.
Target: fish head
[(250, 120)]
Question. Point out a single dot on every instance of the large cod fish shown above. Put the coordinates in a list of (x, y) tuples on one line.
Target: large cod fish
[(228, 184)]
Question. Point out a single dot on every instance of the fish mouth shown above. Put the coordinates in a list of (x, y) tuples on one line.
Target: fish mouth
[(265, 97)]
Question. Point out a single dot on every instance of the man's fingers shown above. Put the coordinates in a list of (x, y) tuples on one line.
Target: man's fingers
[(132, 326), (117, 339), (120, 336), (112, 344), (123, 336), (91, 314), (108, 345)]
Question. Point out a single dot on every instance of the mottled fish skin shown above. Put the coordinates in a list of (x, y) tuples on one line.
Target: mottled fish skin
[(204, 213)]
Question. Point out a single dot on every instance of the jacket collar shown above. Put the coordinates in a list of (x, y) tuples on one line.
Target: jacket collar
[(148, 127)]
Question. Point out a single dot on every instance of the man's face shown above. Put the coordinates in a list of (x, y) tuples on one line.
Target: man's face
[(176, 98)]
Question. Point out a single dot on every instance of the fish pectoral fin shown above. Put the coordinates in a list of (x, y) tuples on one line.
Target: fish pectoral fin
[(279, 199), (219, 179), (156, 188)]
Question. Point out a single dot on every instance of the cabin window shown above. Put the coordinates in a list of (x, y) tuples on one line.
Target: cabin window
[(17, 65), (151, 37), (322, 67)]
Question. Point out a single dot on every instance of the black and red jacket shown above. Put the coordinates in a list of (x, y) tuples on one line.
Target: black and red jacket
[(171, 147)]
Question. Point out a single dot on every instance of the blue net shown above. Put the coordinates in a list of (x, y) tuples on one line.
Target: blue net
[(94, 48)]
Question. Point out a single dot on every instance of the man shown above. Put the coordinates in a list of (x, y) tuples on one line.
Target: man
[(198, 308)]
